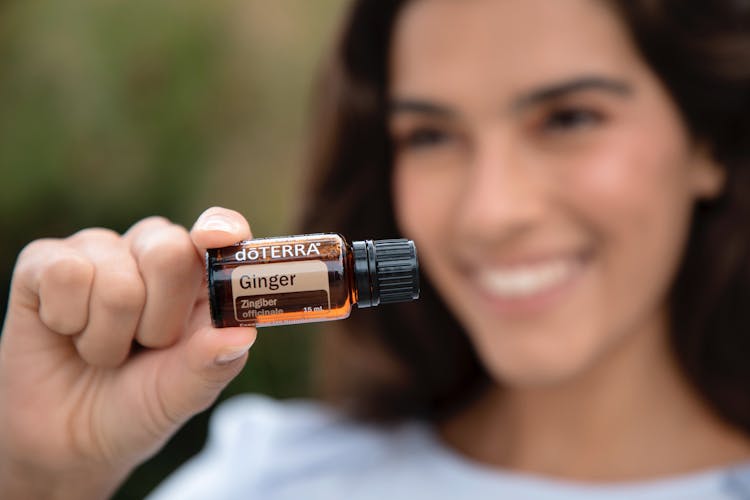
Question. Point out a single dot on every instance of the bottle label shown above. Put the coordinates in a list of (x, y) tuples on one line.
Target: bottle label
[(280, 287)]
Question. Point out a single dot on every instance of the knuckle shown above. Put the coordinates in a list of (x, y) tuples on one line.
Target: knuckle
[(98, 234), (68, 271), (171, 249), (122, 292), (156, 220), (30, 254), (35, 247)]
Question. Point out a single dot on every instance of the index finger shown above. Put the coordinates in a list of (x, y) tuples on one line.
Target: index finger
[(219, 227)]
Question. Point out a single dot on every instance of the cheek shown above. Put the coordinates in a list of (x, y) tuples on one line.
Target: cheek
[(638, 175), (635, 195), (635, 189)]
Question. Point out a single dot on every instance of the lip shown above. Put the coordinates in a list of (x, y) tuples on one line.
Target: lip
[(536, 302)]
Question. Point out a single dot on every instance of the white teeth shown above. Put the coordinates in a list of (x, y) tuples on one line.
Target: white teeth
[(522, 281)]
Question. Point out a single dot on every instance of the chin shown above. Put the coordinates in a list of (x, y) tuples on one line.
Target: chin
[(536, 361)]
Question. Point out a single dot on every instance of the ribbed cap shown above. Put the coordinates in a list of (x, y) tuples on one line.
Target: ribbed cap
[(397, 270), (386, 271)]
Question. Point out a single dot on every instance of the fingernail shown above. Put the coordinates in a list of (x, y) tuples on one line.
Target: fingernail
[(232, 354), (216, 222)]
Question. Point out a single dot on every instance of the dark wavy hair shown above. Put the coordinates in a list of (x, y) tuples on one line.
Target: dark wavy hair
[(414, 360)]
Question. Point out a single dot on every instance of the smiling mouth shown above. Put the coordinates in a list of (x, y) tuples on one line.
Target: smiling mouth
[(529, 285)]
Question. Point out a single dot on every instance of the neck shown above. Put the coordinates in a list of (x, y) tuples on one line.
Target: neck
[(631, 416)]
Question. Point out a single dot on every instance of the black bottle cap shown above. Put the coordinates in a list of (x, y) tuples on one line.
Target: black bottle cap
[(386, 271)]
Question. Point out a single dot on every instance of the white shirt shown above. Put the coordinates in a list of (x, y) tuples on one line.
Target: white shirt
[(259, 448)]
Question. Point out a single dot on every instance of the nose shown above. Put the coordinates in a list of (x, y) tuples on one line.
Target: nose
[(503, 195)]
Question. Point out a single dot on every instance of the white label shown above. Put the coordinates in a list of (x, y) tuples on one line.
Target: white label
[(262, 286)]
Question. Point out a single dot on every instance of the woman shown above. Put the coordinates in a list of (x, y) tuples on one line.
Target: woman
[(574, 175)]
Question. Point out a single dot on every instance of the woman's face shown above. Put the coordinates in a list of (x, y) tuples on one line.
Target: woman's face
[(545, 175)]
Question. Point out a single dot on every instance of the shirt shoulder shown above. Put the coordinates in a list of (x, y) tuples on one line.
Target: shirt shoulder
[(258, 446)]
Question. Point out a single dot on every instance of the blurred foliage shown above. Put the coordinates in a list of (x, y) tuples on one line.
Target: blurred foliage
[(111, 111)]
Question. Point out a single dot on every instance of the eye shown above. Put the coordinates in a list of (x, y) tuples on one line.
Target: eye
[(422, 138), (569, 119)]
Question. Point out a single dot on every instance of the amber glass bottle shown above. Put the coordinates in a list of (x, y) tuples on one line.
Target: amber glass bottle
[(314, 277)]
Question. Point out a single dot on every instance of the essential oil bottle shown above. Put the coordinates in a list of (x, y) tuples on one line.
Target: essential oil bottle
[(300, 279)]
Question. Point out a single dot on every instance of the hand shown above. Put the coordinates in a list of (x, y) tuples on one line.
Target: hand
[(107, 349)]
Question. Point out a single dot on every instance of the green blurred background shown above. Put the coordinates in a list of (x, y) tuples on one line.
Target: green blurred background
[(111, 111)]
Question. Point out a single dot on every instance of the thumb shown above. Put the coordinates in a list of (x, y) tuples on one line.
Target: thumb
[(162, 389), (193, 375)]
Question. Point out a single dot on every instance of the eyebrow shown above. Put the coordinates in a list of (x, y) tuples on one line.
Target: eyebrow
[(535, 97), (550, 93), (421, 107)]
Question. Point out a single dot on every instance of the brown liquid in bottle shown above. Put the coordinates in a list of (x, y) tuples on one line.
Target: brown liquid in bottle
[(275, 281)]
